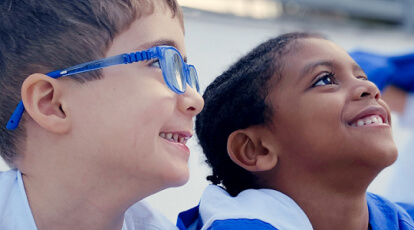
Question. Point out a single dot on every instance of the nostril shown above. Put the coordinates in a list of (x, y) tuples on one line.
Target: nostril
[(364, 94)]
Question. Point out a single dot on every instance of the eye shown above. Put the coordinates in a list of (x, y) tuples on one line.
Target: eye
[(325, 79), (363, 77), (155, 63)]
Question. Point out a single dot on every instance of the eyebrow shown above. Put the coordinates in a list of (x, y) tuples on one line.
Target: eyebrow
[(356, 67), (161, 42), (311, 66)]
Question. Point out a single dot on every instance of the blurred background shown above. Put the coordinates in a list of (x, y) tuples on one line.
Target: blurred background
[(219, 32)]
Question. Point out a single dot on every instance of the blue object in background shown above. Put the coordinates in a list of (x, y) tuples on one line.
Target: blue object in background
[(387, 70), (403, 71)]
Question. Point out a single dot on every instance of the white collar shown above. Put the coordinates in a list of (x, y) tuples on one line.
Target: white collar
[(267, 205)]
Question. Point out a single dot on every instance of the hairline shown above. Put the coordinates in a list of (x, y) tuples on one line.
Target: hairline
[(279, 75)]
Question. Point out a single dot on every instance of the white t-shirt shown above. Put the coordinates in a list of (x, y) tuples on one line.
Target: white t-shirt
[(15, 213)]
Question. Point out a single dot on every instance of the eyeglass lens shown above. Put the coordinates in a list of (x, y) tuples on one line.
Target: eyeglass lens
[(175, 70), (193, 78)]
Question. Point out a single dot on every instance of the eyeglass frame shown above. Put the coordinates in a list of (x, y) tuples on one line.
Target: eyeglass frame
[(156, 52)]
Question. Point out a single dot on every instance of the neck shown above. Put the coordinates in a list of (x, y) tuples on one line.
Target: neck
[(327, 210), (68, 198), (70, 187), (58, 205), (330, 201)]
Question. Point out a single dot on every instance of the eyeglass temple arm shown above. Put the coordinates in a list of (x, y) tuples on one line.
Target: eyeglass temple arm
[(85, 67), (16, 116)]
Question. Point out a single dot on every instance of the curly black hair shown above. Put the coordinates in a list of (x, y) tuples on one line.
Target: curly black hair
[(236, 100)]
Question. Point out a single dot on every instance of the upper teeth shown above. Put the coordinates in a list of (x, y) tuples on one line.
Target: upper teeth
[(367, 121), (174, 137)]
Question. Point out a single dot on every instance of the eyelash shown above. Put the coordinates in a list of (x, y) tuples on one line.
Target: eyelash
[(329, 75), (364, 78), (155, 63)]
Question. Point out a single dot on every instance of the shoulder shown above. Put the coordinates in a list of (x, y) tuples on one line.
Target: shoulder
[(246, 224), (384, 213), (190, 220), (141, 216), (261, 209), (9, 175), (409, 208), (7, 179), (14, 210)]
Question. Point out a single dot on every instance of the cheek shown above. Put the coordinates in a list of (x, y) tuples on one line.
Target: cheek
[(323, 121), (323, 116), (117, 116), (153, 109), (143, 121), (311, 124)]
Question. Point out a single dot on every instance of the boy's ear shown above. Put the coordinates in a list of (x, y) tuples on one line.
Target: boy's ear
[(42, 99), (252, 149)]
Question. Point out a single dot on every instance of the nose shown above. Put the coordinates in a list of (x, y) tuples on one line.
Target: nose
[(190, 102), (365, 89)]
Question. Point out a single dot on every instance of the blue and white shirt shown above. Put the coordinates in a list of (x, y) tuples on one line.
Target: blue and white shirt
[(266, 209)]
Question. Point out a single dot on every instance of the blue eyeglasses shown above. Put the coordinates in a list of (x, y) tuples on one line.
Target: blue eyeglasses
[(176, 72)]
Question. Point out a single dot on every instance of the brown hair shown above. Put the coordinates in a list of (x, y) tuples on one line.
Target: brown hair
[(47, 35)]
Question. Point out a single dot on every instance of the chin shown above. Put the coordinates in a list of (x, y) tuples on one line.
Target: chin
[(392, 156), (177, 179), (385, 156)]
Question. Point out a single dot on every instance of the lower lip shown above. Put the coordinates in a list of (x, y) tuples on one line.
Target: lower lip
[(182, 147)]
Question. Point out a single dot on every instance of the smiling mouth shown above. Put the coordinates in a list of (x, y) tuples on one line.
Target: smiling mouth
[(374, 119), (175, 137)]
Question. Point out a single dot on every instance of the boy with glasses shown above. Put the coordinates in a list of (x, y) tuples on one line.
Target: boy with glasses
[(105, 102)]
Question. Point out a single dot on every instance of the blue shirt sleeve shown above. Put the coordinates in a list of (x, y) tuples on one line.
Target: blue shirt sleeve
[(240, 224), (409, 208), (189, 220)]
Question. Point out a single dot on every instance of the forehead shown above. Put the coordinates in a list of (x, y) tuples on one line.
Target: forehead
[(306, 54), (158, 28), (311, 49), (302, 61)]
